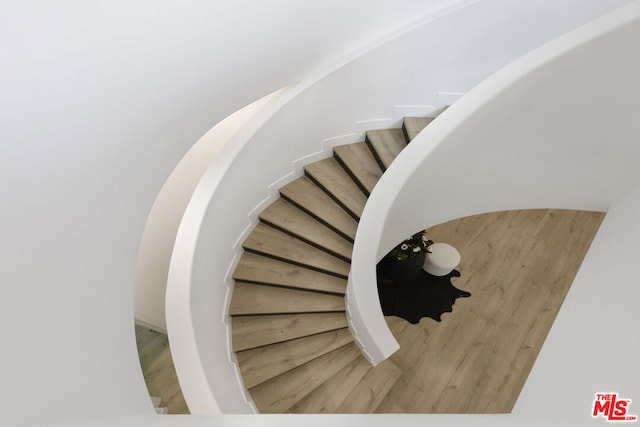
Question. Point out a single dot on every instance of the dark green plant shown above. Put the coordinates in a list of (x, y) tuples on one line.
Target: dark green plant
[(414, 245)]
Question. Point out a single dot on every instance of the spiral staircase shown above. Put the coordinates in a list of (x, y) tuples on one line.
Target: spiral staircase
[(289, 328)]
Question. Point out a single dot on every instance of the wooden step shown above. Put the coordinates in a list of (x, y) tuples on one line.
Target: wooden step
[(257, 331), (327, 398), (360, 163), (261, 364), (386, 144), (371, 390), (278, 394), (336, 181), (412, 126), (288, 218), (249, 298), (309, 197), (254, 268), (269, 241)]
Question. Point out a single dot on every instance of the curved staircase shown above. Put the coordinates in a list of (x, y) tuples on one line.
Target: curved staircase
[(289, 328)]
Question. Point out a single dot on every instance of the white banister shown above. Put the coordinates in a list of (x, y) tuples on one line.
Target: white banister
[(531, 135), (306, 120), (198, 336)]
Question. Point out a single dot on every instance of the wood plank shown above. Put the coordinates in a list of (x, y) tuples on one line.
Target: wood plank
[(360, 162), (336, 181), (414, 125), (327, 398), (371, 390), (386, 144), (261, 364), (260, 269), (518, 266), (269, 241), (306, 195), (249, 298), (158, 369), (282, 392), (288, 218), (256, 331)]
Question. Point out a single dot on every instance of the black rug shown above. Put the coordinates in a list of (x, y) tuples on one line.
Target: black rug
[(422, 295)]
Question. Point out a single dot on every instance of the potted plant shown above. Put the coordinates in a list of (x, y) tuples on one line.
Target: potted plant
[(406, 259)]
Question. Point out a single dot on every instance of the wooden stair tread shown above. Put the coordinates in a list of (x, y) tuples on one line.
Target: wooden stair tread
[(278, 394), (257, 331), (359, 160), (328, 397), (386, 144), (256, 268), (289, 327), (288, 218), (249, 298), (414, 125), (261, 364), (334, 179), (269, 241), (372, 389), (305, 194)]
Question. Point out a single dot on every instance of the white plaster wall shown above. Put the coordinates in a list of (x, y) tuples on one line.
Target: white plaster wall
[(158, 238), (99, 101), (593, 346), (558, 128), (407, 71)]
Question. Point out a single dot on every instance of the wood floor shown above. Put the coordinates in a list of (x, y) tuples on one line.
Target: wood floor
[(518, 265), (158, 370)]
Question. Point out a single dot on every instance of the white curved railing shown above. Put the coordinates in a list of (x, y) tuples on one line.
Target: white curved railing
[(206, 390), (223, 208), (101, 99), (158, 240), (532, 135)]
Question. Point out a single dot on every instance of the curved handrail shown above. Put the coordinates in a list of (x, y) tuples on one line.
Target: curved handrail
[(503, 145), (294, 122), (185, 323)]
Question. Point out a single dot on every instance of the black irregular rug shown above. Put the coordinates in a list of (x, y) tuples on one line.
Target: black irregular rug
[(422, 295)]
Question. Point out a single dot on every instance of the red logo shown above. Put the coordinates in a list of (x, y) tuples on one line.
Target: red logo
[(612, 408)]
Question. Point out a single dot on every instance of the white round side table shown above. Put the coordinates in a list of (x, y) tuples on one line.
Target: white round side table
[(442, 259)]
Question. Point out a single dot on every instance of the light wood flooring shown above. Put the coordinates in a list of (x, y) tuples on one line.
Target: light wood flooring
[(158, 370), (518, 265)]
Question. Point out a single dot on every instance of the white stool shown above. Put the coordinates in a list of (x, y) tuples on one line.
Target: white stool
[(442, 259)]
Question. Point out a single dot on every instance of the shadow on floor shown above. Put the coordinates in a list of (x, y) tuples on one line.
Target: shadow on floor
[(422, 295)]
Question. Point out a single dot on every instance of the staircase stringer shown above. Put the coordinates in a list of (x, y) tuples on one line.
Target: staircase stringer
[(358, 133)]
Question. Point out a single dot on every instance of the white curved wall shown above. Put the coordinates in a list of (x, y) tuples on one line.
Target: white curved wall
[(593, 345), (158, 239), (558, 128), (99, 102), (406, 71), (533, 135), (195, 304)]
